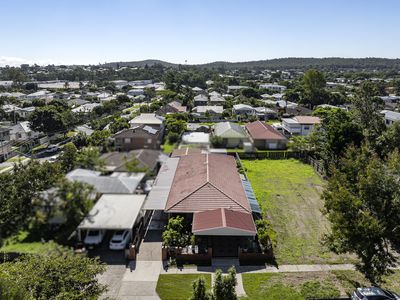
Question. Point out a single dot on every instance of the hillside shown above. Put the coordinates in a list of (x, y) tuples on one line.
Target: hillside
[(330, 63)]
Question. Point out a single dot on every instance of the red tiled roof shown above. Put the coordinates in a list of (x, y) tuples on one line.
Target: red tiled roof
[(223, 218), (261, 131), (204, 182), (185, 151), (307, 120)]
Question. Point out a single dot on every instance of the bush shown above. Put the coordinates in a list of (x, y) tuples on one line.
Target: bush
[(266, 234), (199, 290), (172, 137), (224, 286)]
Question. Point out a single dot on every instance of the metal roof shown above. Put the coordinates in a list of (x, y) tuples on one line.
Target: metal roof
[(229, 130), (255, 207), (158, 196), (114, 212), (117, 183)]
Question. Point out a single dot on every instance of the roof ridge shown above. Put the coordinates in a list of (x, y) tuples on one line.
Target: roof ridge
[(223, 217), (230, 197), (188, 195)]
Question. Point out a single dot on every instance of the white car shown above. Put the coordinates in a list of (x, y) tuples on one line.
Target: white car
[(148, 185), (94, 237), (120, 239)]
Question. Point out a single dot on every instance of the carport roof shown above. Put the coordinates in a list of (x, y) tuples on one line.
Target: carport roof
[(114, 212)]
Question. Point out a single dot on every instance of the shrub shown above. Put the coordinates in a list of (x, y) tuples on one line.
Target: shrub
[(266, 234)]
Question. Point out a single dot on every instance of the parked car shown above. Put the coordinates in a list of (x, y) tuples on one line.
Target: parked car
[(373, 293), (148, 185), (52, 149), (94, 238), (120, 239)]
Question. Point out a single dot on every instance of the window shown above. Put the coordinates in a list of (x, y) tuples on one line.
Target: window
[(306, 127), (149, 141), (127, 140)]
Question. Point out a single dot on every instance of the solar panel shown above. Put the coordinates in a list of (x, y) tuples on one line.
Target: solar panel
[(255, 207)]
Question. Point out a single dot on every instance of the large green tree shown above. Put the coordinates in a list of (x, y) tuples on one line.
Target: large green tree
[(337, 131), (19, 190), (314, 88), (51, 276), (362, 202)]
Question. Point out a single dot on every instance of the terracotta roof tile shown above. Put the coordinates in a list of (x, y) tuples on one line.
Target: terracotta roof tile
[(204, 182), (307, 119), (223, 218), (261, 131)]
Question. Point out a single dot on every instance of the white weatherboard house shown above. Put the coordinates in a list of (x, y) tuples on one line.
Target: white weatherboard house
[(232, 135), (300, 125), (391, 117)]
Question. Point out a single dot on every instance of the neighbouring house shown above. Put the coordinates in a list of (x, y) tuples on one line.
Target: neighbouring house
[(391, 99), (300, 125), (197, 90), (119, 84), (85, 108), (5, 150), (197, 127), (391, 117), (5, 132), (216, 99), (200, 100), (265, 113), (40, 95), (208, 112), (139, 137), (200, 139), (150, 119), (231, 134), (146, 158), (85, 129), (6, 83), (22, 132), (209, 192), (25, 112), (136, 92), (116, 183), (265, 137), (171, 108), (243, 110), (273, 87), (236, 88), (103, 96)]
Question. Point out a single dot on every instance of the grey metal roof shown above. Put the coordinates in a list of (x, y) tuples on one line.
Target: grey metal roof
[(255, 207), (157, 198), (117, 183), (229, 130), (114, 212)]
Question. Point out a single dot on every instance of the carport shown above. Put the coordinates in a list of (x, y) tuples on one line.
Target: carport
[(114, 212)]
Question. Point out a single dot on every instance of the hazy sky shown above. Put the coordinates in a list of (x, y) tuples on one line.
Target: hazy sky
[(93, 31)]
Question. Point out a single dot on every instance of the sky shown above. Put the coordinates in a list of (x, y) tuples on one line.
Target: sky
[(195, 31)]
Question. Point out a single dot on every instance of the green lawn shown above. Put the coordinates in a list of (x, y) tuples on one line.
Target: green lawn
[(16, 159), (289, 194), (23, 243), (178, 286), (300, 286), (168, 148), (32, 247)]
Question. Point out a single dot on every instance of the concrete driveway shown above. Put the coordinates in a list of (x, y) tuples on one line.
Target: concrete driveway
[(138, 280)]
